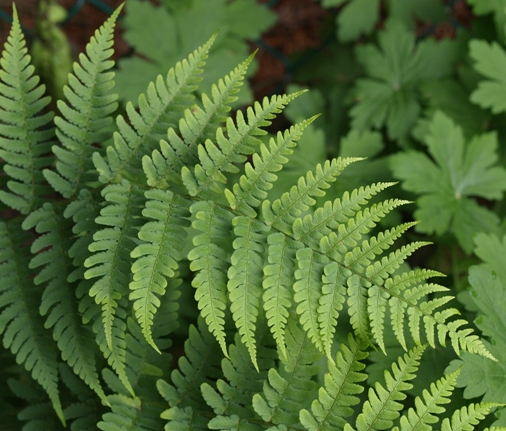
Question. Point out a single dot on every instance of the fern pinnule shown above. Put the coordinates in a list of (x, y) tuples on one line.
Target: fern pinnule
[(282, 213), (90, 104), (21, 324), (159, 109), (157, 257), (307, 292), (245, 278), (111, 248), (59, 301), (330, 215), (251, 189), (217, 158), (283, 391), (25, 131), (196, 126), (342, 384), (277, 284), (384, 403), (208, 260)]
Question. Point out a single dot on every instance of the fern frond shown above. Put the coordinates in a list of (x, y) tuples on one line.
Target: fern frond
[(218, 158), (24, 132), (251, 189), (20, 322), (245, 278), (429, 408), (277, 284), (197, 125), (330, 215), (112, 246), (468, 416), (159, 109), (385, 403), (208, 260), (157, 257), (283, 211), (234, 394), (333, 296), (357, 306), (282, 393), (87, 114), (233, 423), (307, 292), (184, 420), (59, 302), (340, 390)]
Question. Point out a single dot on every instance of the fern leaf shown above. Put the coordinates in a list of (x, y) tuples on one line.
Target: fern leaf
[(59, 302), (330, 215), (282, 212), (208, 260), (337, 244), (233, 395), (282, 394), (220, 157), (245, 279), (307, 292), (20, 321), (112, 246), (197, 125), (157, 257), (87, 114), (340, 390), (428, 408), (331, 303), (25, 135), (184, 420), (158, 110), (467, 417), (385, 403), (357, 306), (251, 189), (233, 423), (277, 284)]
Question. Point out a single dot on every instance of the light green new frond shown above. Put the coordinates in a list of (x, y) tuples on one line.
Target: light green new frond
[(330, 215), (277, 284), (282, 212), (283, 391), (233, 395), (217, 158), (467, 417), (159, 109), (158, 256), (245, 278), (25, 138), (385, 402), (59, 301), (20, 322), (333, 295), (345, 238), (428, 408), (201, 364), (208, 261), (251, 189), (197, 125), (341, 386), (86, 114), (112, 246), (307, 292)]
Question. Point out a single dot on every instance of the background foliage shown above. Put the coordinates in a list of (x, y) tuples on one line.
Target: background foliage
[(415, 87)]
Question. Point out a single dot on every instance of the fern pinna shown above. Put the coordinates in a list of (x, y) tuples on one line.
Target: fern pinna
[(92, 276)]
